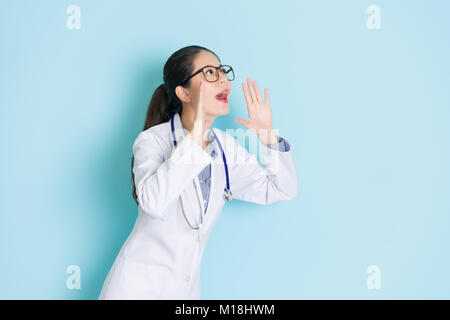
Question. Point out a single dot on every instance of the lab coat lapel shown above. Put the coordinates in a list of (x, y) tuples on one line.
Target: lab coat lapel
[(217, 180), (190, 201), (211, 193), (191, 205), (192, 194)]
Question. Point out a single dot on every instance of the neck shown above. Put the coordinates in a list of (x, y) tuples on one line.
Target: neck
[(187, 118)]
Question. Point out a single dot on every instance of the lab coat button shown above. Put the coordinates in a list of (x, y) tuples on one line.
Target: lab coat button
[(188, 278)]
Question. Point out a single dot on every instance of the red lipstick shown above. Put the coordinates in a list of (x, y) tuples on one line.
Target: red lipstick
[(223, 96)]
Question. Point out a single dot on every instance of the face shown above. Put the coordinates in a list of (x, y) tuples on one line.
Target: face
[(213, 106)]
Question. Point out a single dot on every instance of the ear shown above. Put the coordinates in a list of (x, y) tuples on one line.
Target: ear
[(182, 94)]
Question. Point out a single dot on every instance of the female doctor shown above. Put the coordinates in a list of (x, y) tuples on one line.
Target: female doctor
[(184, 170)]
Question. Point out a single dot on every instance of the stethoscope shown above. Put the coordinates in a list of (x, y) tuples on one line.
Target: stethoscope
[(227, 192)]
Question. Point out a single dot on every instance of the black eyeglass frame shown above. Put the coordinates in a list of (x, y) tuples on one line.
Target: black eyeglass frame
[(217, 68)]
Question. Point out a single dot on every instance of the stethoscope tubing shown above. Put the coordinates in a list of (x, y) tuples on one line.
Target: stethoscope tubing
[(227, 191)]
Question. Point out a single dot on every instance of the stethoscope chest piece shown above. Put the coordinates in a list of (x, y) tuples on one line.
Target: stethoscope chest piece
[(227, 194)]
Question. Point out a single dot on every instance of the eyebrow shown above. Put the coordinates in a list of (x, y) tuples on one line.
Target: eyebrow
[(210, 65)]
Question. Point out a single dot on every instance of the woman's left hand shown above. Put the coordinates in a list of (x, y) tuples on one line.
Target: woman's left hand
[(259, 113)]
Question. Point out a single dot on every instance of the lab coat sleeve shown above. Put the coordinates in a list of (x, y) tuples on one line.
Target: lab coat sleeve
[(160, 181), (282, 145), (266, 183)]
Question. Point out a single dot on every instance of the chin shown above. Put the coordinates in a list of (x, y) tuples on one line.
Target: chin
[(221, 109), (225, 109)]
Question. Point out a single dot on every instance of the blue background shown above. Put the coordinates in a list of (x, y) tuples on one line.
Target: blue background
[(366, 112)]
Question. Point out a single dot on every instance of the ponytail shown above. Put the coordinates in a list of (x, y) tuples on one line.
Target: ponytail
[(157, 112)]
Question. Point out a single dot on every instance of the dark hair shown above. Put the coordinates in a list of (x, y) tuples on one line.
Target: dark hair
[(164, 102)]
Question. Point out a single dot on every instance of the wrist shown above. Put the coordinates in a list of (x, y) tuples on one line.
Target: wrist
[(267, 137)]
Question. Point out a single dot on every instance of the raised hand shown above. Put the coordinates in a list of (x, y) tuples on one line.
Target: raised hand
[(196, 133), (259, 113)]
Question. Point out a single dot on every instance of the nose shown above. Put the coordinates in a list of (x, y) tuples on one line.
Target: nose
[(222, 78)]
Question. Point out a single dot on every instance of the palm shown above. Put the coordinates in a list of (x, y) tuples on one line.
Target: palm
[(259, 111)]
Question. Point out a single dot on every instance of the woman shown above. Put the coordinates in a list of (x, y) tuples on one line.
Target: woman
[(183, 170)]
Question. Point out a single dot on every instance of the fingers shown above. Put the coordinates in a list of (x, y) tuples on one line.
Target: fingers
[(200, 112), (258, 94), (252, 89), (248, 99), (266, 96), (200, 109), (252, 95), (197, 128)]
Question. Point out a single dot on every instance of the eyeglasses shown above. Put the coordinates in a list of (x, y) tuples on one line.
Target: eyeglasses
[(211, 73)]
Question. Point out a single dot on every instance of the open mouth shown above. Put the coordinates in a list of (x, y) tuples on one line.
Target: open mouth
[(222, 97)]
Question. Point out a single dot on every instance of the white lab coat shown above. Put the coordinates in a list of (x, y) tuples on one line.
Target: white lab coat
[(161, 257)]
